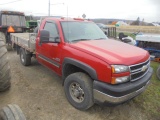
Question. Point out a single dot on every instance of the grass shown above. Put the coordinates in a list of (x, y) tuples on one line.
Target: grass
[(149, 101)]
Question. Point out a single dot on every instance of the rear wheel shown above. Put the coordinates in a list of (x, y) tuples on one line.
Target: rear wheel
[(24, 57), (158, 73), (79, 91), (4, 67), (11, 112)]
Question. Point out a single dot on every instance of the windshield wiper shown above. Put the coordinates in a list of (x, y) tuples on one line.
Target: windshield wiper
[(100, 38), (80, 40)]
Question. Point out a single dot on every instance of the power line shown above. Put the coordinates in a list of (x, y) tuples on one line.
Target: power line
[(57, 3), (10, 2)]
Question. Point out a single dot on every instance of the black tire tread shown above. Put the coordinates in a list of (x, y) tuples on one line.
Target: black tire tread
[(12, 112), (87, 84), (4, 68), (27, 57)]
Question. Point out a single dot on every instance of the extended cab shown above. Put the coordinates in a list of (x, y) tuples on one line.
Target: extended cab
[(94, 69)]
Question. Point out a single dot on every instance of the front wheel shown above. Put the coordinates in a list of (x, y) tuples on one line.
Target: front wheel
[(158, 73), (24, 57), (79, 90)]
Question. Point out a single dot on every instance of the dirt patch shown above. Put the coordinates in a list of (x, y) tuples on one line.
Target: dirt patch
[(40, 94)]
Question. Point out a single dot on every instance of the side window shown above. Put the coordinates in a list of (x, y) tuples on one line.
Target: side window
[(51, 27)]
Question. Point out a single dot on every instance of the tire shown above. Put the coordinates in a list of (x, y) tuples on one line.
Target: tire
[(158, 73), (11, 112), (82, 85), (5, 75), (25, 58)]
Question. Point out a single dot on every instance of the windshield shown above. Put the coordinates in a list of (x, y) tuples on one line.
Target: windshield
[(13, 20), (77, 31)]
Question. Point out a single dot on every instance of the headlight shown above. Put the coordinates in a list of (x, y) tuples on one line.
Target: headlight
[(117, 80), (119, 68)]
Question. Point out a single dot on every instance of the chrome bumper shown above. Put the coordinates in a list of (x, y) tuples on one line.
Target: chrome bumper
[(102, 97)]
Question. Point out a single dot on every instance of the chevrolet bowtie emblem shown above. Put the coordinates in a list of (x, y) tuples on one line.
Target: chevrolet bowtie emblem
[(144, 68)]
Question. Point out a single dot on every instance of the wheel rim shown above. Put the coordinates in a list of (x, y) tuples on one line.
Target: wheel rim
[(76, 92), (22, 57)]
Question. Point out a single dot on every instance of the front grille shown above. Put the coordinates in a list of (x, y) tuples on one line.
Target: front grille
[(139, 70)]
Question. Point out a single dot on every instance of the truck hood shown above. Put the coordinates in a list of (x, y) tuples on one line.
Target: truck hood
[(112, 51)]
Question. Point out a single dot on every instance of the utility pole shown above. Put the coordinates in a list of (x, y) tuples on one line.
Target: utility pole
[(49, 5), (49, 8)]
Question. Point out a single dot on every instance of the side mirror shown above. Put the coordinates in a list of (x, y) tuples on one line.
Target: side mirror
[(44, 36), (57, 39)]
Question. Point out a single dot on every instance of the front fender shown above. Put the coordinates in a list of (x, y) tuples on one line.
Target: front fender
[(91, 71)]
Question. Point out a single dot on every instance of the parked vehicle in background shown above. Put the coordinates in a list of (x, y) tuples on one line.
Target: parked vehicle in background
[(11, 22), (151, 43), (94, 69), (103, 28), (108, 31), (31, 25)]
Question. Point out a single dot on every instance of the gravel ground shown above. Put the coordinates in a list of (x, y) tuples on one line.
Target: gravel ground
[(40, 94)]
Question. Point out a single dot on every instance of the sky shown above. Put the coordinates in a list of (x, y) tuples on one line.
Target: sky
[(118, 9)]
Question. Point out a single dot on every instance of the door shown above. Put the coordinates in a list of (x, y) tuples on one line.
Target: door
[(50, 53)]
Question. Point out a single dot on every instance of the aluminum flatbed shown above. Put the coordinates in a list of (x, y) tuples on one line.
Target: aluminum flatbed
[(24, 40)]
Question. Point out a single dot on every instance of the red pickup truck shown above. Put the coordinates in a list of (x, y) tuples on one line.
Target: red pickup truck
[(94, 69)]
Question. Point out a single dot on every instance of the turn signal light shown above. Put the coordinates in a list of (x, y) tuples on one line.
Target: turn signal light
[(118, 80)]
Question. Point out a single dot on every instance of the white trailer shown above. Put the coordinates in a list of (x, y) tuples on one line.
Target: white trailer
[(151, 43), (148, 38)]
